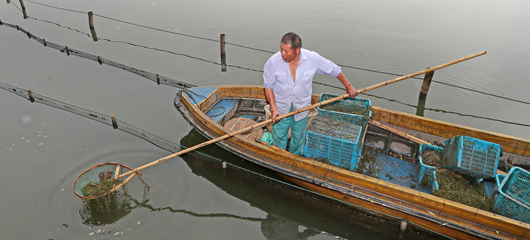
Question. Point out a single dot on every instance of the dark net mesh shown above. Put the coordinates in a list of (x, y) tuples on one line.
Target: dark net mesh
[(157, 141), (78, 53), (16, 90), (74, 52), (73, 109)]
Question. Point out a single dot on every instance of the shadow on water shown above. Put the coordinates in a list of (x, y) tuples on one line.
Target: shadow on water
[(292, 212), (119, 205), (109, 209), (288, 207)]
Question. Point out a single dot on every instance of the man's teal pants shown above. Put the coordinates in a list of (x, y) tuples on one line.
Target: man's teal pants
[(280, 132)]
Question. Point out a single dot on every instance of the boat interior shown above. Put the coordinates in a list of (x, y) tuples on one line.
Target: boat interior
[(393, 158)]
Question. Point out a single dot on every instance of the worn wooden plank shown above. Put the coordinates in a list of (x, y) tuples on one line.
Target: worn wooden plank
[(414, 199), (509, 144), (500, 222), (384, 212)]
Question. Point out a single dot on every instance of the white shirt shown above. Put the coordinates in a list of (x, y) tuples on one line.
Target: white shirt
[(277, 76)]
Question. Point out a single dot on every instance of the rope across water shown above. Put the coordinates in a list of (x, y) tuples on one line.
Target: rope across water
[(257, 49)]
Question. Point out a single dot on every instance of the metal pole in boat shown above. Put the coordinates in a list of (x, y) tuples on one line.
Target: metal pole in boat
[(91, 26), (223, 53), (423, 93)]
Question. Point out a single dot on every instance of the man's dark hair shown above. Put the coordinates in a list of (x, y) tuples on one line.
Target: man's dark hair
[(292, 39)]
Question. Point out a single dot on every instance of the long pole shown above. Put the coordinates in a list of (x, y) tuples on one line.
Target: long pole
[(91, 26), (223, 53), (301, 110), (23, 9)]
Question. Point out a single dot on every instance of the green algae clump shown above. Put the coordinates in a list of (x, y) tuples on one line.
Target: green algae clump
[(462, 189)]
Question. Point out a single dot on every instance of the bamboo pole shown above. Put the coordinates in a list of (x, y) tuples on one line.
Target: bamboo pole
[(91, 26), (117, 173), (223, 53), (422, 99), (397, 132), (114, 122), (300, 110), (22, 5), (420, 108), (23, 9), (426, 84)]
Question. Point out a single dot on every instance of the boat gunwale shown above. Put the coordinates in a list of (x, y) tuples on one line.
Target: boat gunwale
[(380, 187)]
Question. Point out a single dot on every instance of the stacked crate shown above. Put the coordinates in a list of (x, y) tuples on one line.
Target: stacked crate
[(336, 135), (426, 170), (472, 156), (513, 198)]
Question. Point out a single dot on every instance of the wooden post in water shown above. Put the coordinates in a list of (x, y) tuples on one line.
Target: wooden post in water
[(223, 53), (8, 2), (91, 26), (23, 9), (423, 93), (402, 228)]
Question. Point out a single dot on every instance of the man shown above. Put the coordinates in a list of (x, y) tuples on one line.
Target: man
[(288, 78)]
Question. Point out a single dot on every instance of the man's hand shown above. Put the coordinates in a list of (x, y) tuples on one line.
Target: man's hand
[(352, 91), (269, 94), (349, 88), (274, 114)]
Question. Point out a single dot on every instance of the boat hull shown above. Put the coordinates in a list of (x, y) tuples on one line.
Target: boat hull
[(377, 196)]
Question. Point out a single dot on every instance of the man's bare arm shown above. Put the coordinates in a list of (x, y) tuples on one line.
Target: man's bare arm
[(269, 94), (349, 88)]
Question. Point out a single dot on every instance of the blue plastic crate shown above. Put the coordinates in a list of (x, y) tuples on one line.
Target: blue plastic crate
[(517, 185), (335, 137), (347, 105), (472, 156), (511, 200), (426, 170)]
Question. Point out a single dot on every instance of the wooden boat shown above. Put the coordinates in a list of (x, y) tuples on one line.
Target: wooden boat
[(281, 201), (208, 108)]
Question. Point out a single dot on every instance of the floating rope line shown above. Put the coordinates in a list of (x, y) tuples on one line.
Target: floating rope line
[(61, 26), (183, 85), (106, 119), (50, 6), (20, 9), (261, 50), (430, 109), (266, 51), (159, 79)]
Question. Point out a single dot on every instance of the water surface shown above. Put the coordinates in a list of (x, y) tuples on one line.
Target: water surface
[(43, 149)]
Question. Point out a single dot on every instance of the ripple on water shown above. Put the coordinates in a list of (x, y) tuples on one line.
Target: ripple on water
[(121, 212)]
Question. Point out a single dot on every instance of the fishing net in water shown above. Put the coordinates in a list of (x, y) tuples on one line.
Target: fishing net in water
[(99, 180)]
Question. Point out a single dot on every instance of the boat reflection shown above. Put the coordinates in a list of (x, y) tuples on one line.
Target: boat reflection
[(289, 207), (292, 212)]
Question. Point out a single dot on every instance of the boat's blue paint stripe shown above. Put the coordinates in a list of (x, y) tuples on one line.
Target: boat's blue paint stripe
[(221, 109), (196, 95), (247, 116)]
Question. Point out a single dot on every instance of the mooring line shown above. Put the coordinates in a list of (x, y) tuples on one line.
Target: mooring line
[(179, 84), (266, 51)]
